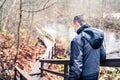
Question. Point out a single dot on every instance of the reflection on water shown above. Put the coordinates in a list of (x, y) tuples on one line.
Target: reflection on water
[(112, 42)]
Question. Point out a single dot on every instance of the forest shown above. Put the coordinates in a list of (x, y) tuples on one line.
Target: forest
[(31, 30)]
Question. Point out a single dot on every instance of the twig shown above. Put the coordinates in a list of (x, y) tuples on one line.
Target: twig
[(2, 4), (40, 9), (46, 3)]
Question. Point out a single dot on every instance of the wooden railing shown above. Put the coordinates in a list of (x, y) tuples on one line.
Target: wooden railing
[(106, 63), (111, 63), (24, 76), (63, 74)]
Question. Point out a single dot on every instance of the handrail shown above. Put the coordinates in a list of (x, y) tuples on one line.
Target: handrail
[(106, 63), (24, 76), (111, 63)]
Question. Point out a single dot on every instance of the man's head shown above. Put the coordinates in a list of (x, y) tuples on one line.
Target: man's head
[(78, 22)]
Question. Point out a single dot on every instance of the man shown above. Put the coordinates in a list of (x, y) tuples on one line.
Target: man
[(86, 51)]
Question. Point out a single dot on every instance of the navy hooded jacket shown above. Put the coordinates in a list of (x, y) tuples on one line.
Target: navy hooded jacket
[(86, 53)]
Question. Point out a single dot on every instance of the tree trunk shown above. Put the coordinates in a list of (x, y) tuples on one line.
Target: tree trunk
[(30, 29), (18, 32)]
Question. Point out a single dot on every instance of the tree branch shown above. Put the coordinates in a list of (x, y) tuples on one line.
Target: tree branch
[(46, 3), (41, 3), (3, 4), (42, 8)]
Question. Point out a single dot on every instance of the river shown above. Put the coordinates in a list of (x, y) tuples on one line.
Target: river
[(112, 44)]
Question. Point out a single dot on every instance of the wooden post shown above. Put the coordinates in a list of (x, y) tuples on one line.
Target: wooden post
[(55, 49), (65, 71), (15, 74), (52, 53), (49, 56), (21, 77), (42, 69)]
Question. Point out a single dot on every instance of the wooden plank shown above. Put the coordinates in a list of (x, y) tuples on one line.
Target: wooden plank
[(24, 74), (34, 74), (54, 72), (55, 61)]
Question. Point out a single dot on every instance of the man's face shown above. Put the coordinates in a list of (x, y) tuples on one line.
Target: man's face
[(76, 26)]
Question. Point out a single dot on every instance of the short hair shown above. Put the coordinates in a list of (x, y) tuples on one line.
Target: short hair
[(80, 19)]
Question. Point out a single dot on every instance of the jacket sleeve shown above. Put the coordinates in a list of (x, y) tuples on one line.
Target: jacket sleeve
[(76, 62), (102, 53)]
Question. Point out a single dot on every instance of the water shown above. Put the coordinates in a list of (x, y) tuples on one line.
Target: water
[(112, 44)]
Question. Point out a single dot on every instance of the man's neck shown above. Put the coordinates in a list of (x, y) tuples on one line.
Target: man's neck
[(82, 28), (83, 24)]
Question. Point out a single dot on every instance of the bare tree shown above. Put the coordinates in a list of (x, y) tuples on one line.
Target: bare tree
[(18, 32), (44, 4), (31, 24), (6, 17), (1, 9), (2, 4)]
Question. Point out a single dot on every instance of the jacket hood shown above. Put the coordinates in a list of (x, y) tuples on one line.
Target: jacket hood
[(94, 36)]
